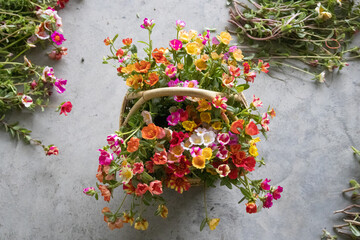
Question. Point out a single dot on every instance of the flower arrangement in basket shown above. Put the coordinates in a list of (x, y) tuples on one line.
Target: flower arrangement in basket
[(184, 122)]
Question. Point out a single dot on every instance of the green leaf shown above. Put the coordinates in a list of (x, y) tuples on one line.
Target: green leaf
[(246, 193), (116, 36), (203, 223), (354, 230)]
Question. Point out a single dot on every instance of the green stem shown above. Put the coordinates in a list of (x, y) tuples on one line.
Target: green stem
[(132, 133), (121, 204), (22, 52), (355, 150), (296, 68), (11, 63)]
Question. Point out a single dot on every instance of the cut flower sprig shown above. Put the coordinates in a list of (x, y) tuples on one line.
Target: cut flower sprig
[(185, 123)]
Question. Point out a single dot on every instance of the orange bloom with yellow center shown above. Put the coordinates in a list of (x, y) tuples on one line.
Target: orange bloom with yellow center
[(158, 55), (134, 81), (150, 131), (179, 184), (198, 162), (133, 144), (205, 117), (142, 67), (203, 105), (153, 79), (127, 41), (200, 64), (236, 125)]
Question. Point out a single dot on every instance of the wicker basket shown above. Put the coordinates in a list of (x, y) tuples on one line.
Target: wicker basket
[(147, 95)]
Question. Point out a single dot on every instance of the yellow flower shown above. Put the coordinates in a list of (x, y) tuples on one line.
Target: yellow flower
[(141, 224), (237, 54), (184, 36), (225, 37), (213, 223), (205, 117), (217, 125), (253, 150), (322, 14), (128, 219), (200, 64), (203, 105), (214, 55), (193, 34), (254, 141), (198, 162), (233, 63), (134, 81), (193, 48), (207, 153), (189, 125), (128, 69), (180, 66), (205, 57), (163, 211)]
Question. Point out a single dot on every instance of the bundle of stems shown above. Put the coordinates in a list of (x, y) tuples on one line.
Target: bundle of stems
[(317, 33)]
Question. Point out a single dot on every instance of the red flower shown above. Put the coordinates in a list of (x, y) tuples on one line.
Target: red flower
[(65, 107), (119, 53), (238, 158), (52, 151), (183, 115), (129, 188), (127, 41), (141, 189), (156, 187), (246, 67), (233, 173), (149, 165), (179, 184), (236, 125), (61, 3), (181, 168), (177, 138), (251, 207), (235, 148), (160, 158), (251, 129), (249, 164)]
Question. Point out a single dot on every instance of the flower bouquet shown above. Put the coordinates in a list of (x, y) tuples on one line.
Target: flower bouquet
[(184, 122)]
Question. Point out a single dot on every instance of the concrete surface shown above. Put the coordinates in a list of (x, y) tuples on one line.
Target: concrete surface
[(307, 152)]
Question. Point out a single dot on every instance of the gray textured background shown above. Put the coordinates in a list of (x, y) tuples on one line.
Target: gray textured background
[(307, 151)]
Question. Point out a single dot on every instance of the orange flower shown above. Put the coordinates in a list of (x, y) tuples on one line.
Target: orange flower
[(105, 210), (153, 79), (104, 170), (128, 69), (158, 55), (117, 224), (142, 67), (237, 124), (128, 219), (119, 53), (160, 158), (105, 192), (107, 41), (198, 162), (235, 148), (203, 105), (150, 131), (134, 81), (133, 144), (127, 41), (251, 129), (272, 113)]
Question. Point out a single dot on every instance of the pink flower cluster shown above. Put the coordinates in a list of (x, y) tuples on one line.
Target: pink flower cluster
[(274, 193)]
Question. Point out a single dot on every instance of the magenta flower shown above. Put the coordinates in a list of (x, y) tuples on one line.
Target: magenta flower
[(48, 74), (65, 108), (222, 153), (268, 201), (147, 23), (112, 139), (170, 70), (90, 191), (195, 151), (180, 24), (173, 83), (59, 85), (265, 122), (276, 194), (173, 119), (265, 184), (220, 102), (176, 44), (232, 48), (57, 38), (191, 84), (215, 41), (223, 138), (105, 157), (179, 98)]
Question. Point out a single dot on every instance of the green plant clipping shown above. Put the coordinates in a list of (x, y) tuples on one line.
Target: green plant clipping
[(317, 33)]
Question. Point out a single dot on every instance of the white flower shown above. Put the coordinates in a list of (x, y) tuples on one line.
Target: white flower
[(147, 117), (321, 77), (200, 131), (223, 170), (209, 138), (26, 100), (126, 174), (322, 14), (196, 139)]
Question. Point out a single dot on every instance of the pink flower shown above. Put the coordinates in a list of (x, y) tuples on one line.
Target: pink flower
[(105, 157), (48, 74), (57, 38), (112, 139), (265, 184), (173, 119), (170, 70), (183, 115), (147, 23), (138, 168), (250, 77), (222, 153), (268, 201), (264, 66), (90, 191), (191, 84), (179, 98), (215, 41), (223, 170), (156, 187), (256, 102), (149, 165), (141, 189), (195, 151), (232, 48), (265, 122), (180, 24), (59, 85), (234, 71), (52, 151), (276, 194), (223, 138), (219, 102), (65, 107), (26, 100), (57, 54), (173, 83), (176, 44)]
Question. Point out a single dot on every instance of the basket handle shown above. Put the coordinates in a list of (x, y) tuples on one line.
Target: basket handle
[(145, 96)]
